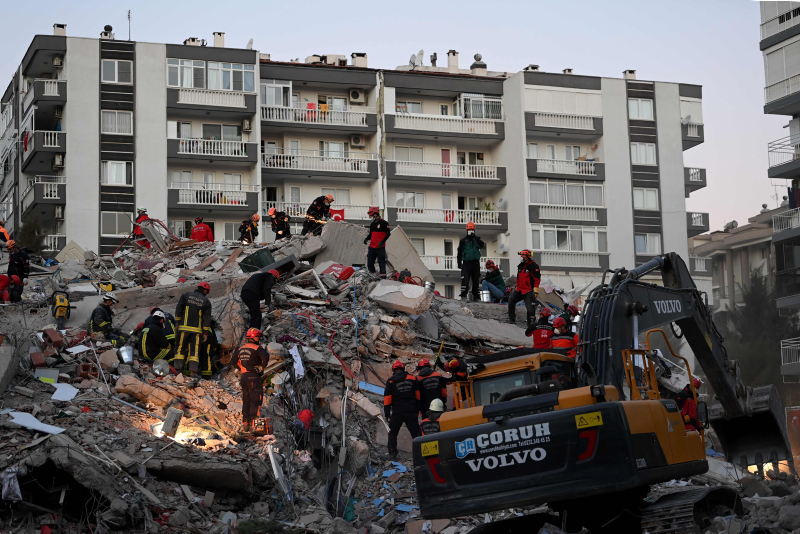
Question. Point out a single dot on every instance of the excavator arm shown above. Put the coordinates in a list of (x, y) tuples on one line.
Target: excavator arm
[(748, 421)]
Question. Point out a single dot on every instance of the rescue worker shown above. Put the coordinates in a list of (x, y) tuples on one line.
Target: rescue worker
[(193, 317), (7, 285), (430, 425), (138, 235), (563, 338), (493, 282), (280, 224), (542, 331), (251, 359), (569, 315), (688, 405), (257, 288), (169, 323), (378, 235), (248, 230), (153, 343), (527, 288), (3, 232), (102, 319), (458, 370), (401, 404), (316, 214), (201, 231), (432, 385), (20, 265), (468, 258)]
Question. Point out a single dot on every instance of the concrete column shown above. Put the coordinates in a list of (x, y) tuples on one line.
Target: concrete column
[(731, 289), (744, 258)]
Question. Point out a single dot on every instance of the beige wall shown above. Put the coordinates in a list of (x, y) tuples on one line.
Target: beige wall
[(563, 100)]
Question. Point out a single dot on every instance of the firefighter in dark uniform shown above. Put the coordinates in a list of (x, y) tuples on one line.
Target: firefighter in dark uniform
[(316, 214), (542, 331), (430, 425), (280, 224), (527, 288), (169, 323), (251, 359), (401, 404), (248, 230), (18, 264), (378, 235), (432, 385), (153, 343), (257, 288), (102, 318), (193, 318)]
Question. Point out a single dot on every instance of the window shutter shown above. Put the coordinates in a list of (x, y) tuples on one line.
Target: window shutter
[(775, 67), (199, 77), (129, 173), (791, 56)]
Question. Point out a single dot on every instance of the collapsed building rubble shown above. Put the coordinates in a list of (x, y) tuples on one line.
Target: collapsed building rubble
[(87, 447)]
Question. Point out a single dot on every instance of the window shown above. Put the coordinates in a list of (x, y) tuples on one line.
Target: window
[(230, 231), (572, 152), (444, 109), (231, 77), (294, 194), (117, 173), (419, 244), (341, 196), (473, 203), (560, 194), (334, 103), (643, 153), (225, 132), (783, 63), (692, 108), (640, 108), (232, 181), (182, 229), (449, 291), (645, 199), (7, 116), (408, 107), (569, 238), (189, 73), (277, 93), (475, 158), (533, 151), (333, 149), (117, 71), (117, 224), (117, 122), (477, 106), (408, 153), (409, 199), (182, 178), (647, 243)]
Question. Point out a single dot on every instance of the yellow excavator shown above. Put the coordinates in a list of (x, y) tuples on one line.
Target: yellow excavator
[(589, 437)]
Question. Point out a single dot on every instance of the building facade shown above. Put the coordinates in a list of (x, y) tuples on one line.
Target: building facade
[(585, 171)]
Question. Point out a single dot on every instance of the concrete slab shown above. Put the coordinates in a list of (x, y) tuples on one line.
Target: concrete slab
[(468, 327), (401, 254), (301, 246), (9, 360), (401, 297), (72, 251), (344, 243)]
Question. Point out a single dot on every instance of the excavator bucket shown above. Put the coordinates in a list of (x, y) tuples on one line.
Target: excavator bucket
[(757, 438)]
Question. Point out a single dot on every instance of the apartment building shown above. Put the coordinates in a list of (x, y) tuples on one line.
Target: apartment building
[(586, 171)]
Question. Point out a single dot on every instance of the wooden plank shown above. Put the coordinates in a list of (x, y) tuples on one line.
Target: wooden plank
[(232, 258), (208, 261)]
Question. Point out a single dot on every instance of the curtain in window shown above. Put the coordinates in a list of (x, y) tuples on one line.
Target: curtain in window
[(640, 243), (115, 172), (589, 241), (556, 194), (594, 196), (533, 151), (109, 120), (538, 193), (124, 123), (574, 195)]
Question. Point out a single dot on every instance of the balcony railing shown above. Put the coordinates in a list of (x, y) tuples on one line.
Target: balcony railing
[(790, 351), (589, 260), (782, 88), (786, 220), (49, 189), (568, 213), (436, 215), (209, 97), (212, 147), (445, 123), (213, 194), (298, 209), (784, 21), (51, 242), (446, 170), (200, 186), (449, 263), (784, 150), (350, 116), (700, 264), (693, 130), (564, 120), (566, 166), (695, 175), (316, 160)]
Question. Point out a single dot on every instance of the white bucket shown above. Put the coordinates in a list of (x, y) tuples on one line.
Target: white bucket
[(486, 296)]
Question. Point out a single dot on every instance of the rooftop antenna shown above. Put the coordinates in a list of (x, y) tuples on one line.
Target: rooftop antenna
[(249, 45), (129, 24), (686, 120)]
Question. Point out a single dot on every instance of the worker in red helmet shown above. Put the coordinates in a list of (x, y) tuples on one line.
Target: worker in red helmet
[(138, 235), (251, 359), (527, 288), (7, 284), (248, 230), (468, 259), (201, 231), (376, 239), (569, 315), (687, 402), (542, 331), (401, 405), (257, 288), (432, 385), (317, 214), (193, 317), (279, 222), (493, 281), (563, 338)]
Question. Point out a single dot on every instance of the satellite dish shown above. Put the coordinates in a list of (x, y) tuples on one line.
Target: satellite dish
[(686, 120), (420, 57), (249, 45), (412, 62)]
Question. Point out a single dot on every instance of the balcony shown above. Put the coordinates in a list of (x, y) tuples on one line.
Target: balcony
[(45, 92), (783, 222), (446, 267), (776, 25), (783, 97), (693, 179), (443, 127), (40, 149), (287, 164), (214, 198), (692, 134), (54, 243), (205, 103), (319, 119), (699, 266), (784, 157), (566, 169), (45, 190), (446, 219), (236, 153), (550, 214), (563, 125), (696, 223), (297, 210), (479, 176), (790, 359), (571, 260)]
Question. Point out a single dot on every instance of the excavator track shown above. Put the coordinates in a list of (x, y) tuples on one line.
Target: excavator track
[(688, 511)]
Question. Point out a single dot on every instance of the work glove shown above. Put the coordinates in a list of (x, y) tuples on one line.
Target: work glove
[(382, 244), (366, 240), (529, 330), (387, 411), (536, 292)]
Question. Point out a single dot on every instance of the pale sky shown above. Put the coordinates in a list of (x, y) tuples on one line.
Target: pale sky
[(713, 43)]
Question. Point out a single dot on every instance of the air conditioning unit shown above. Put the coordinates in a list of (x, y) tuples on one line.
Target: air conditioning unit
[(246, 126), (58, 161), (502, 243), (58, 112), (357, 141), (357, 96), (58, 61), (59, 211)]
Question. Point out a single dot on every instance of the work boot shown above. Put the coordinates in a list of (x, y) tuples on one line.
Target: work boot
[(193, 367), (177, 364), (393, 455), (247, 427), (512, 320)]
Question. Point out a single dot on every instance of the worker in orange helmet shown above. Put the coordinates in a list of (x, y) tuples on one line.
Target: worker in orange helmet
[(563, 338), (251, 359), (468, 258), (248, 230), (317, 214), (280, 223)]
